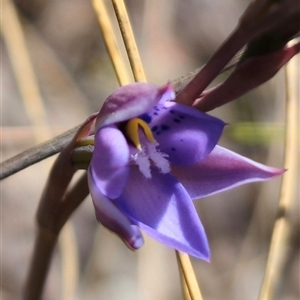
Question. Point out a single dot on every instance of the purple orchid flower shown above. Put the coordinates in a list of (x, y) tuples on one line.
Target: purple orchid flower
[(152, 157)]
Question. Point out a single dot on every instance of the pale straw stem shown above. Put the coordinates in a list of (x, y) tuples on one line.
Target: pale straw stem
[(129, 40), (69, 261), (110, 42), (282, 228), (190, 280), (185, 290), (139, 75), (14, 37)]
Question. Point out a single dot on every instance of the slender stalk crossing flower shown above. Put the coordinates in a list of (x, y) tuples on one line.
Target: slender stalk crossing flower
[(153, 157)]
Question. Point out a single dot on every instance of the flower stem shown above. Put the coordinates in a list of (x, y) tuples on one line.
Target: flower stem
[(186, 293), (259, 18), (190, 282), (110, 42), (283, 228), (51, 218), (129, 40), (212, 68), (43, 249)]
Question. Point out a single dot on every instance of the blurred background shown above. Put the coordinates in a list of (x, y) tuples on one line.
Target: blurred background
[(74, 76)]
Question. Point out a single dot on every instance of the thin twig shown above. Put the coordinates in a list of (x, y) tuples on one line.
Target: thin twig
[(185, 290), (27, 82), (37, 153), (14, 38), (187, 271), (282, 227), (42, 151), (110, 42), (54, 211), (129, 40), (69, 261), (139, 75)]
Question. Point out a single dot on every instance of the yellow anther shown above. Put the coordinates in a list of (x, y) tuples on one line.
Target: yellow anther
[(89, 140), (132, 131)]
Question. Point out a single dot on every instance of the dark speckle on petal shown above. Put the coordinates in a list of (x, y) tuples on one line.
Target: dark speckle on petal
[(181, 117), (154, 128), (171, 111), (173, 149), (146, 118), (177, 120), (165, 127), (155, 113)]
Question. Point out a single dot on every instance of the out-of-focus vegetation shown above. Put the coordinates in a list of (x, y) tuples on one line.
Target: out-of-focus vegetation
[(75, 76)]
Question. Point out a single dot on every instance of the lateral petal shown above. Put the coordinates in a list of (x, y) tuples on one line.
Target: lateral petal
[(161, 207), (110, 162), (109, 215), (221, 170)]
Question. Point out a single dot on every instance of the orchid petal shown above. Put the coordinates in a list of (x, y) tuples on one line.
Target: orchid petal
[(130, 101), (112, 218), (110, 166), (161, 207), (185, 134), (221, 170), (169, 94)]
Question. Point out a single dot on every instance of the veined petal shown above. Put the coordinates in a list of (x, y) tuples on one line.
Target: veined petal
[(110, 162), (130, 101), (221, 170), (161, 207), (184, 133), (112, 218)]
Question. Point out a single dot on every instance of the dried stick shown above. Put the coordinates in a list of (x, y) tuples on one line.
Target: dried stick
[(139, 75), (282, 227), (55, 207), (189, 86), (110, 42), (44, 150), (14, 38), (27, 83), (69, 261), (129, 40), (189, 277), (36, 154)]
